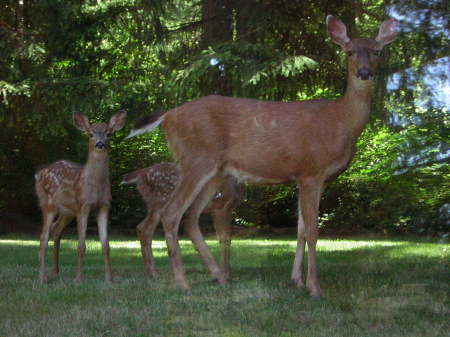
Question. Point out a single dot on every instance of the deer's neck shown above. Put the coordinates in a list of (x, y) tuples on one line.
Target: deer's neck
[(97, 169), (356, 101)]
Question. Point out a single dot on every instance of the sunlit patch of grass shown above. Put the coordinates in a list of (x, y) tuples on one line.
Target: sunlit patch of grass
[(373, 287), (340, 244)]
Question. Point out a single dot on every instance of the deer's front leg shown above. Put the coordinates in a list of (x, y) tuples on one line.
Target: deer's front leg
[(102, 222), (82, 218), (297, 269), (310, 191)]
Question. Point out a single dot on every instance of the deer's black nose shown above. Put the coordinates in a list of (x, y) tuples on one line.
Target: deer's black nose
[(364, 73), (100, 145)]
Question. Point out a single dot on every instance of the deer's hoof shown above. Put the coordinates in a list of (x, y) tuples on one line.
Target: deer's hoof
[(315, 291), (298, 283)]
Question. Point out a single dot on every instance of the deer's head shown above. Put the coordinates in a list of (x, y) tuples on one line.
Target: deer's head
[(99, 133), (363, 54)]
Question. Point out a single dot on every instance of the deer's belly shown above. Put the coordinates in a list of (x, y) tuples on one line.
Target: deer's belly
[(253, 177)]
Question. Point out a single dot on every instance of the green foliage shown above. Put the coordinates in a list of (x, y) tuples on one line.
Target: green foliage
[(17, 89)]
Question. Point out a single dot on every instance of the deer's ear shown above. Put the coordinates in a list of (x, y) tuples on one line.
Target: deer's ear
[(337, 30), (117, 121), (388, 32), (81, 121)]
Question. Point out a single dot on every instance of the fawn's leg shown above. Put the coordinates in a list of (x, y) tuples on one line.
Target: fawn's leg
[(48, 217), (82, 218), (145, 231), (56, 232), (102, 222)]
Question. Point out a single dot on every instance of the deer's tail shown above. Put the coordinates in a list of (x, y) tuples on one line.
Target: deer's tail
[(146, 124)]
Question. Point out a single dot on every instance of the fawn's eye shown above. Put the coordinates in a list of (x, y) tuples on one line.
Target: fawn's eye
[(108, 134), (350, 53), (90, 134)]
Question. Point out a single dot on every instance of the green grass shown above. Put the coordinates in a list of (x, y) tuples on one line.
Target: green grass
[(380, 287)]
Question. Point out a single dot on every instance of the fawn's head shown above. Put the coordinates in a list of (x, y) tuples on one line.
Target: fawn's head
[(99, 133), (363, 54)]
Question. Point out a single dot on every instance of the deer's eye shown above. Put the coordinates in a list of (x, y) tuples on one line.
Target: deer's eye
[(350, 53), (108, 135), (90, 134)]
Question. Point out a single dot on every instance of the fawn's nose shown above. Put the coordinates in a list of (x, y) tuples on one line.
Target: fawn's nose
[(100, 145), (364, 73)]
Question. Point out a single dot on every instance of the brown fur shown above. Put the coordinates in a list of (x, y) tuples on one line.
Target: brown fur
[(69, 190)]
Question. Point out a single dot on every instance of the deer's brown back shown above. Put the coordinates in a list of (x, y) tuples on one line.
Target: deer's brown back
[(259, 140)]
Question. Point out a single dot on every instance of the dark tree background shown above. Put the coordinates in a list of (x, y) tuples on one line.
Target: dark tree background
[(144, 56)]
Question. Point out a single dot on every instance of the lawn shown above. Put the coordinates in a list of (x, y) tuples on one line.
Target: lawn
[(372, 287)]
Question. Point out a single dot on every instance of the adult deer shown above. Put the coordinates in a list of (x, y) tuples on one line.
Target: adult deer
[(67, 190), (155, 185), (307, 142)]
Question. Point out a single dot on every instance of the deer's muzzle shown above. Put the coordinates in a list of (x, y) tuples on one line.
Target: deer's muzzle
[(364, 73)]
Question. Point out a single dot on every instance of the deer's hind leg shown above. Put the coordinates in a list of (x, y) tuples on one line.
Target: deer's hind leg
[(56, 233), (49, 214), (193, 179), (191, 225)]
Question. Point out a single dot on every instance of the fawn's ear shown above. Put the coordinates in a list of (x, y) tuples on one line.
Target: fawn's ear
[(81, 121), (117, 121), (388, 32), (337, 31)]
